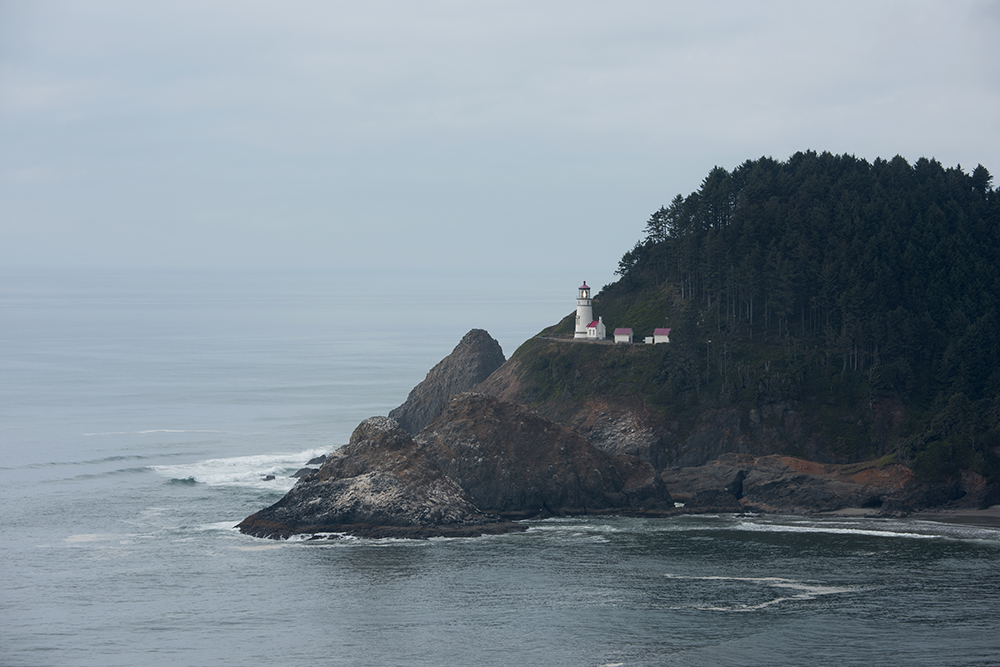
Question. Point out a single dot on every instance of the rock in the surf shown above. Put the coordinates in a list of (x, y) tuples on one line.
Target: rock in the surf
[(381, 484)]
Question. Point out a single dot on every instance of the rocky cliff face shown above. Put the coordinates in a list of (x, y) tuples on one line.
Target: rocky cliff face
[(514, 462), (480, 459), (613, 424), (381, 484), (473, 360), (618, 422), (741, 482), (585, 388)]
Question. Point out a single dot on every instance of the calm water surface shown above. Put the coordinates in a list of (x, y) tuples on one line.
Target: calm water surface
[(139, 414)]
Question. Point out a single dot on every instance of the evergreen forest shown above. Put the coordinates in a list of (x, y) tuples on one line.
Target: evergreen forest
[(867, 293)]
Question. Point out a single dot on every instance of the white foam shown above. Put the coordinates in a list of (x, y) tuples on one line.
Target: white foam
[(755, 527), (163, 430), (314, 537), (87, 537), (246, 471), (225, 526), (260, 547), (807, 591)]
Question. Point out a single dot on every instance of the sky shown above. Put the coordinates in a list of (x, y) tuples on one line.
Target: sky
[(479, 141)]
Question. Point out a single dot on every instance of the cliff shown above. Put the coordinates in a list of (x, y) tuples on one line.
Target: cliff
[(475, 357), (480, 463), (514, 462), (381, 484), (612, 396), (741, 482)]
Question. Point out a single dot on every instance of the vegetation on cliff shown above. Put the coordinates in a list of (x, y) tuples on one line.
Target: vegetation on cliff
[(866, 294)]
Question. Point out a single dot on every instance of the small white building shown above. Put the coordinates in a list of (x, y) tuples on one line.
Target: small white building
[(623, 335), (596, 330), (661, 336)]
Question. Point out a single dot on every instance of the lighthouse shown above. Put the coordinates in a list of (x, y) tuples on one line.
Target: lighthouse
[(584, 311)]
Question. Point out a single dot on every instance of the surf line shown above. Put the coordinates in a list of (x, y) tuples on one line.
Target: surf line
[(807, 591)]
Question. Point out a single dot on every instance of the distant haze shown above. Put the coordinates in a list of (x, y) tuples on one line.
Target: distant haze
[(476, 140)]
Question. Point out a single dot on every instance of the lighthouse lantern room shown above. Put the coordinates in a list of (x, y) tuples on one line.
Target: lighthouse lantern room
[(584, 311)]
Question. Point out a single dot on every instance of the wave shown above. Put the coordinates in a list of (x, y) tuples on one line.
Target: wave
[(90, 537), (241, 471), (164, 430), (807, 591), (710, 526), (111, 473), (136, 470), (99, 461), (830, 529), (223, 526), (893, 529)]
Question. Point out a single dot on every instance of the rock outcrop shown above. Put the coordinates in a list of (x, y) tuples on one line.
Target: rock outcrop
[(621, 423), (741, 482), (381, 484), (475, 357), (700, 463), (481, 463), (514, 462)]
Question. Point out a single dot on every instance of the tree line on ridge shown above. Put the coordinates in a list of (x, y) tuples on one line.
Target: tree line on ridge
[(883, 277)]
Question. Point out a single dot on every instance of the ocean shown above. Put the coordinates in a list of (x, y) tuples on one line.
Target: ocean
[(140, 413)]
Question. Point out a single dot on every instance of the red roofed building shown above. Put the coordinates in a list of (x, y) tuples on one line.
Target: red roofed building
[(596, 330), (661, 336), (623, 335)]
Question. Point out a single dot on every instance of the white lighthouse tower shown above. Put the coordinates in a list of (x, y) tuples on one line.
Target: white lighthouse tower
[(584, 311)]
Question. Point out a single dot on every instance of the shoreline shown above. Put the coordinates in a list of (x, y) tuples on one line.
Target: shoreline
[(987, 518), (984, 518)]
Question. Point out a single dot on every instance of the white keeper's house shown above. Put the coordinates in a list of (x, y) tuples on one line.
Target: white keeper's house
[(596, 330), (661, 336), (623, 335)]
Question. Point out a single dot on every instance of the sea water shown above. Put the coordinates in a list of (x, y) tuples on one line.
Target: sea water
[(141, 414)]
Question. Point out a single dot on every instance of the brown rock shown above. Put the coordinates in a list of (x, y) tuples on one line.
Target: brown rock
[(514, 462), (475, 357), (381, 484)]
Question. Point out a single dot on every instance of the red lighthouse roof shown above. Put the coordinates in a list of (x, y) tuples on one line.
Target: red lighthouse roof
[(584, 285)]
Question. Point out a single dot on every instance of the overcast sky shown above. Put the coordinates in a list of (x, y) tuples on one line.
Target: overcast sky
[(471, 138)]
